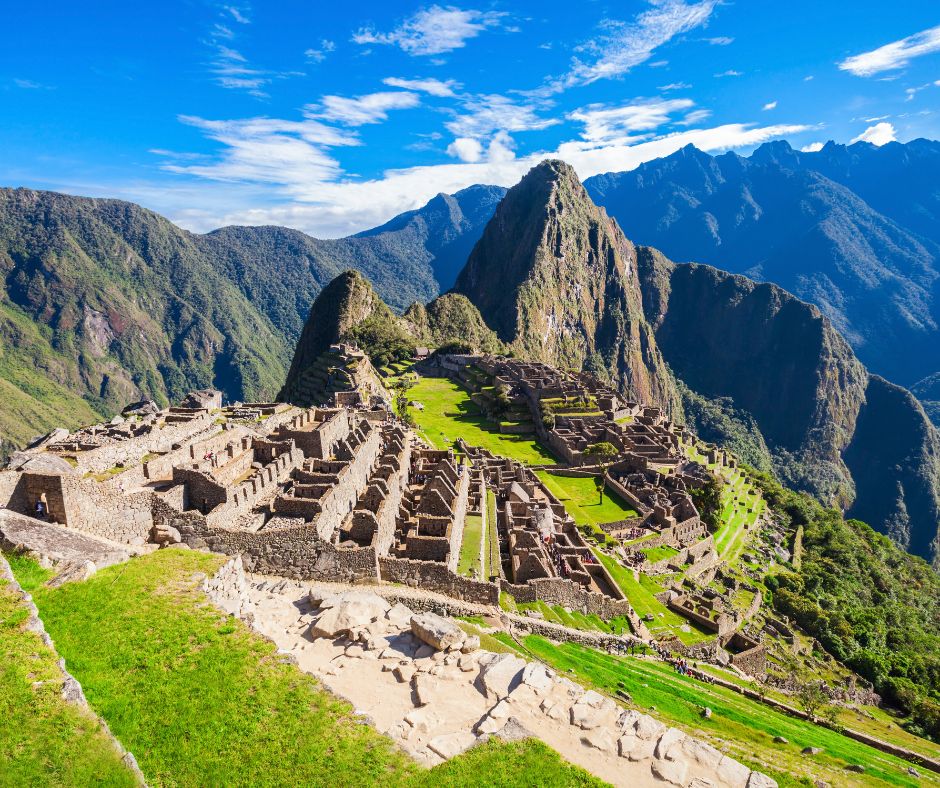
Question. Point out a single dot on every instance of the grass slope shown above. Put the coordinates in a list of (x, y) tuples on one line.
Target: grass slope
[(43, 739), (579, 495), (449, 414), (740, 726), (201, 700)]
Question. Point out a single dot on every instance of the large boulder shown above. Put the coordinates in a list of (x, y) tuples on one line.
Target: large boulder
[(593, 710), (501, 674), (438, 632), (144, 407), (342, 613)]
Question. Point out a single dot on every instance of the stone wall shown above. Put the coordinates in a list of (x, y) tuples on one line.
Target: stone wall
[(9, 483), (564, 592), (436, 577)]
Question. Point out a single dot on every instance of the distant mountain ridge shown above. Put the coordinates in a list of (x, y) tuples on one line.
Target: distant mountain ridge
[(853, 229), (103, 302)]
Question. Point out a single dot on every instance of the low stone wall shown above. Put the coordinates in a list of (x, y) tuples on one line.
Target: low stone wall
[(436, 577), (72, 691), (560, 591), (753, 661)]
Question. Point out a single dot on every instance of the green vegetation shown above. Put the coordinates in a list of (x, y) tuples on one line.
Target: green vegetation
[(579, 495), (469, 562), (642, 596), (492, 536), (743, 726), (198, 698), (656, 554), (873, 607), (382, 337), (448, 414), (45, 740)]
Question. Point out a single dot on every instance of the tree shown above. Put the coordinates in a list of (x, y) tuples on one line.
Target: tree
[(604, 452), (812, 695), (401, 387), (707, 500)]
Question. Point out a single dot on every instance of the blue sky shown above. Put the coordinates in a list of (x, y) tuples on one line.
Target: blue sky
[(333, 117)]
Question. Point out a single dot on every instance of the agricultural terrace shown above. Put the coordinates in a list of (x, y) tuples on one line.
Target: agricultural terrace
[(201, 700), (447, 413), (738, 725)]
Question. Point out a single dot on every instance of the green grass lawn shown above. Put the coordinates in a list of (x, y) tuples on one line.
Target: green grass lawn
[(469, 562), (641, 595), (492, 536), (43, 739), (579, 495), (744, 727), (201, 700), (654, 554), (449, 414)]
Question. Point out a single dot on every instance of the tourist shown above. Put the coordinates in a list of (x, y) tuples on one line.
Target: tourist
[(40, 510)]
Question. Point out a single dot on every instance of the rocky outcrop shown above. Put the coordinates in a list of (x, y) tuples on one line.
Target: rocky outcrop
[(556, 279)]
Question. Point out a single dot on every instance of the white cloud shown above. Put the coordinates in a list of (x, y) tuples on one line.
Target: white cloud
[(770, 105), (358, 111), (730, 73), (433, 87), (624, 46), (433, 30), (879, 134), (291, 161), (486, 114), (238, 15), (466, 149), (609, 125), (318, 54), (693, 117), (893, 56), (29, 84), (813, 147), (721, 41), (674, 86)]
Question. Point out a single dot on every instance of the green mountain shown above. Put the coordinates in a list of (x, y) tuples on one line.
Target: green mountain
[(556, 279), (103, 302), (747, 364)]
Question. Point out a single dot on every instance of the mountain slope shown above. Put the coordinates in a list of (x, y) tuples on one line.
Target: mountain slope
[(850, 229), (555, 278), (832, 428), (102, 301)]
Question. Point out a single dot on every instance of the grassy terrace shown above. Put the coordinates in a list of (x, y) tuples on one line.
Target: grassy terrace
[(201, 700), (43, 739), (740, 726), (579, 495), (641, 594), (469, 562), (492, 536), (557, 614), (449, 414)]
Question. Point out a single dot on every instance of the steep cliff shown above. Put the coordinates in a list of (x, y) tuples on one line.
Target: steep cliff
[(555, 278), (831, 428)]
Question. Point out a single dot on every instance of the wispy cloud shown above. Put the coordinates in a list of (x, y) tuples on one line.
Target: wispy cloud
[(769, 106), (617, 125), (624, 45), (720, 41), (434, 30), (318, 54), (483, 115), (361, 110), (238, 14), (29, 84), (879, 134), (433, 87), (730, 73), (674, 86), (893, 56)]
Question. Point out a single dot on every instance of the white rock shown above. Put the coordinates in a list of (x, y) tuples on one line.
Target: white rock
[(501, 675), (602, 739), (673, 772), (669, 746), (594, 711), (426, 686), (471, 644), (701, 753), (452, 744), (422, 720), (537, 676), (501, 710), (648, 728), (760, 780), (556, 710), (399, 615), (436, 631), (732, 773), (642, 750)]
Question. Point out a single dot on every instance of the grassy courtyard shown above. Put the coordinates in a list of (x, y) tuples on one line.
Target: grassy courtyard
[(469, 561), (579, 495), (738, 725), (449, 413), (201, 700)]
